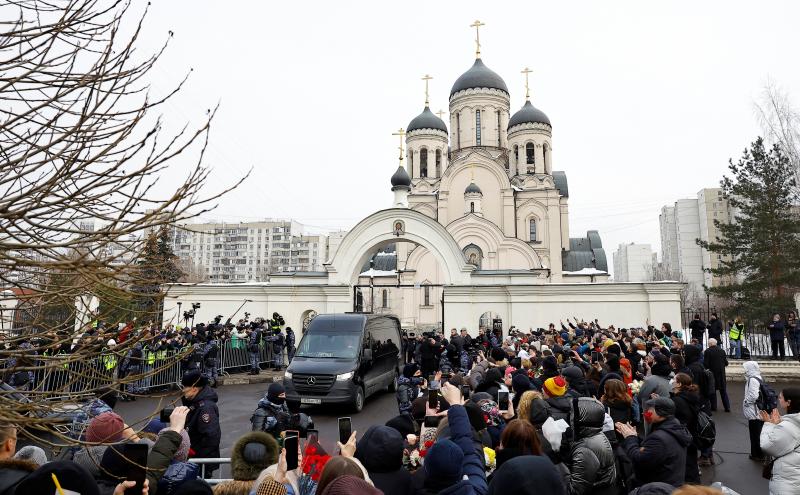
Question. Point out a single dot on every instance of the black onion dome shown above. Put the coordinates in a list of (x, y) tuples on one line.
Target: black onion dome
[(401, 178), (479, 76), (426, 120), (473, 188), (528, 114)]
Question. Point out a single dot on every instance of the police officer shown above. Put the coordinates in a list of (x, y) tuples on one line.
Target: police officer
[(272, 414), (290, 348), (253, 348), (210, 361), (203, 420)]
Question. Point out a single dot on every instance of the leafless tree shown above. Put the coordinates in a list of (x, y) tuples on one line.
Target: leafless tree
[(780, 121), (82, 145)]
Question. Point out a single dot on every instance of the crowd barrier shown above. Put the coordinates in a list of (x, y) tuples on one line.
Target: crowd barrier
[(759, 344), (58, 375)]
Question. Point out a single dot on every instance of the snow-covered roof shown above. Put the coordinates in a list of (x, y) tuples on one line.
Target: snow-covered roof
[(378, 273), (587, 271)]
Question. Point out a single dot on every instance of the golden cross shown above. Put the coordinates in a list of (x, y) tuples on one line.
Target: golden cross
[(426, 78), (440, 113), (401, 132), (477, 25), (527, 89)]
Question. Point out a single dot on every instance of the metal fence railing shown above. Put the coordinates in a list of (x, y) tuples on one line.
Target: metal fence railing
[(58, 375), (758, 342)]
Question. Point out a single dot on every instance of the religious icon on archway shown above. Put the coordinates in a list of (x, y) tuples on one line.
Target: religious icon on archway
[(398, 229)]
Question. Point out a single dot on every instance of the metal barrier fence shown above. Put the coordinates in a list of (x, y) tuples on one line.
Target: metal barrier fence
[(58, 375), (759, 344), (202, 461)]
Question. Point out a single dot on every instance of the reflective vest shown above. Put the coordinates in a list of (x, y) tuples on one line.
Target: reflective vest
[(735, 332), (109, 360)]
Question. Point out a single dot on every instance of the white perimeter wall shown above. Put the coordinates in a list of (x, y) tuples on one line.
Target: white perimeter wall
[(528, 306)]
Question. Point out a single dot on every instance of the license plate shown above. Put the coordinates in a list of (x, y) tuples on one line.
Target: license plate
[(309, 400)]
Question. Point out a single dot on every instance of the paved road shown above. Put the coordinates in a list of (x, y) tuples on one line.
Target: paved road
[(238, 401)]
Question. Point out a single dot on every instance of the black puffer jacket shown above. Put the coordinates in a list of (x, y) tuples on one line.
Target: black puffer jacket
[(592, 466), (662, 455), (560, 407)]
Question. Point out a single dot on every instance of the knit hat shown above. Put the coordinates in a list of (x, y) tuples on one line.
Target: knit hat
[(193, 378), (33, 454), (348, 484), (270, 487), (571, 373), (105, 428), (275, 389), (183, 449), (555, 386), (663, 406), (539, 412), (444, 462), (71, 476), (252, 453), (380, 449), (520, 383)]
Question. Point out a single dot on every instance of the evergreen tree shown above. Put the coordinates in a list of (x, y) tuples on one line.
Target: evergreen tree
[(759, 255), (157, 265)]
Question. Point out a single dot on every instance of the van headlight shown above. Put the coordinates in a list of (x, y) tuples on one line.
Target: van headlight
[(344, 377), (288, 375)]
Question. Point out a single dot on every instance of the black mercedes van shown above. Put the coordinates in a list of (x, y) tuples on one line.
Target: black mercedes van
[(345, 358)]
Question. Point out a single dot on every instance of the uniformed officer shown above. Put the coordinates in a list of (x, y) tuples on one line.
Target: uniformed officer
[(203, 420)]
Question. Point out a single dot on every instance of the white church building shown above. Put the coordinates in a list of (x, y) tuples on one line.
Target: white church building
[(478, 233)]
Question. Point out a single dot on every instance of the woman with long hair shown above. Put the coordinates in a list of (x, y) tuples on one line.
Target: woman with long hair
[(617, 402)]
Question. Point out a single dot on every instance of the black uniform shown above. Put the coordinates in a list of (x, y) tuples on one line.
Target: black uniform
[(202, 423)]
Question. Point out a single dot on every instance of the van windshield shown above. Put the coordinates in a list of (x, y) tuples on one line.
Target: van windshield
[(343, 345)]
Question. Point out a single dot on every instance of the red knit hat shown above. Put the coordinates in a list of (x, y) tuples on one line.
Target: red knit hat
[(555, 386), (105, 428)]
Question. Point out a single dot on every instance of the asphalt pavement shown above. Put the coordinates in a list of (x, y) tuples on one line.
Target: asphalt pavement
[(237, 402)]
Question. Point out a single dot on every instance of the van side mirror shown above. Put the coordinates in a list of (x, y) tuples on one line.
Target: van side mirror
[(366, 354)]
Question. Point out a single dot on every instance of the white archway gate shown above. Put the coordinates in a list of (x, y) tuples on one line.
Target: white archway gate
[(397, 225)]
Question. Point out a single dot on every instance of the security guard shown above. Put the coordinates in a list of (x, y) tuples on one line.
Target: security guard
[(202, 423)]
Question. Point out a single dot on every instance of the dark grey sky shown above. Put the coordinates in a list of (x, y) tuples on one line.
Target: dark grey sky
[(648, 100)]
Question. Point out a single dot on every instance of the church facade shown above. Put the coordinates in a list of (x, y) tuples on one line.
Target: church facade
[(477, 234)]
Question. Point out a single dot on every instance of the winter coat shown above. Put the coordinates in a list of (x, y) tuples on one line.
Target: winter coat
[(662, 455), (527, 475), (89, 457), (162, 470), (560, 407), (380, 451), (776, 329), (654, 384), (751, 389), (687, 405), (716, 360), (698, 328), (473, 464), (782, 441), (715, 330), (592, 466), (202, 423), (12, 471)]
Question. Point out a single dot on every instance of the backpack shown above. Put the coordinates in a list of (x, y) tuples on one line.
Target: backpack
[(767, 397), (706, 431), (711, 388), (404, 396)]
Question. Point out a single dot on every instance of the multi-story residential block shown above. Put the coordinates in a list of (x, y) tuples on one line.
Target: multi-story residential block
[(633, 263)]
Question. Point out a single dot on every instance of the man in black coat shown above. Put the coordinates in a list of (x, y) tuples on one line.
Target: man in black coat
[(714, 328), (202, 423), (698, 328), (716, 360), (662, 455)]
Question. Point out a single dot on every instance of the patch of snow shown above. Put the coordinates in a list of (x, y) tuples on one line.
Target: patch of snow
[(378, 273), (587, 271)]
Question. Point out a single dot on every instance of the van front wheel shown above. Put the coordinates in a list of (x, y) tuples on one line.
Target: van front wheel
[(393, 383), (358, 400)]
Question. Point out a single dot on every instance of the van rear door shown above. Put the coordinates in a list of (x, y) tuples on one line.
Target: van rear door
[(385, 349)]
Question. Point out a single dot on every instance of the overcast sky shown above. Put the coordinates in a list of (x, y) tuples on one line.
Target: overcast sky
[(648, 100)]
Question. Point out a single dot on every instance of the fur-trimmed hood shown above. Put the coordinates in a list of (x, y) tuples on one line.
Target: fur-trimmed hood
[(248, 462)]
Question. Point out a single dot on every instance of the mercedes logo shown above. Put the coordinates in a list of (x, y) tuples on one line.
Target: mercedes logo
[(311, 380)]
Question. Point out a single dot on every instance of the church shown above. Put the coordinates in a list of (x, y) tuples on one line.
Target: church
[(477, 234)]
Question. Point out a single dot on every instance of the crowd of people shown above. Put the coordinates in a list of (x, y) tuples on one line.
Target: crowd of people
[(574, 409)]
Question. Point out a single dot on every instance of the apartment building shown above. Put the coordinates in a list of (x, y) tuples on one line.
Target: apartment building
[(633, 263)]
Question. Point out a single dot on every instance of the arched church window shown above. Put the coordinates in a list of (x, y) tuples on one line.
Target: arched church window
[(385, 298), (477, 127), (529, 154), (545, 151), (499, 144), (438, 163), (411, 162), (423, 162), (472, 207), (458, 129), (427, 295), (516, 155), (533, 236)]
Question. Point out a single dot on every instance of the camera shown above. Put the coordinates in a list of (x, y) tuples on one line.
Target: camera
[(246, 315), (165, 414)]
